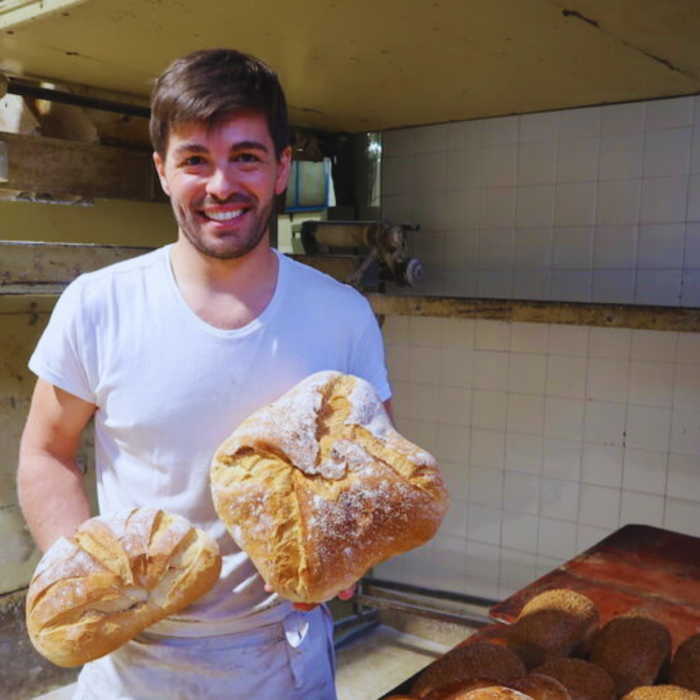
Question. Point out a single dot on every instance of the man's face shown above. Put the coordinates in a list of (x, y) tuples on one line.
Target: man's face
[(222, 183)]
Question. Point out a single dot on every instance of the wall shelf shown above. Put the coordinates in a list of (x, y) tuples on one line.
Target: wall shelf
[(33, 274)]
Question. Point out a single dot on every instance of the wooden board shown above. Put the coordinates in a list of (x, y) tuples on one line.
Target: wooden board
[(639, 569)]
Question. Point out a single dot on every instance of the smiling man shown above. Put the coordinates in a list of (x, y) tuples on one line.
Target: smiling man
[(168, 353)]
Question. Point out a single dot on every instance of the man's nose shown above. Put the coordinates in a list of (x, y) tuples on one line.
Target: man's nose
[(222, 183)]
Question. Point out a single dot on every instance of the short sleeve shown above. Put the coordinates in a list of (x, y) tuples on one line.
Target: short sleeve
[(369, 361), (59, 356)]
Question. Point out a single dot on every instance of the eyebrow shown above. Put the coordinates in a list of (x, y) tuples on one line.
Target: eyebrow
[(238, 146)]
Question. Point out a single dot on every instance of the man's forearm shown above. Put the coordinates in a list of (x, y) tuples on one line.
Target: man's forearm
[(52, 497)]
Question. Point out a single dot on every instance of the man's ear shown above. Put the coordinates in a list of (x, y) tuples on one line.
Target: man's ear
[(160, 169), (284, 165)]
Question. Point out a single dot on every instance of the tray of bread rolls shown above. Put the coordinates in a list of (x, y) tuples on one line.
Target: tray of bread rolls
[(619, 621)]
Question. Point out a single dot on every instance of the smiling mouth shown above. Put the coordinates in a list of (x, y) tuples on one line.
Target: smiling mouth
[(224, 215)]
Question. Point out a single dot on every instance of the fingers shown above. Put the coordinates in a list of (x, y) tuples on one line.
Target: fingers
[(348, 592)]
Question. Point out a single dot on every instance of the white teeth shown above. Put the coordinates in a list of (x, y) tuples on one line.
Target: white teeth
[(224, 215)]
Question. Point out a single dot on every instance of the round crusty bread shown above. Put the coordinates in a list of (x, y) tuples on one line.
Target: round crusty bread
[(115, 577), (661, 692), (318, 487), (633, 650), (582, 679), (553, 624), (478, 660), (685, 669)]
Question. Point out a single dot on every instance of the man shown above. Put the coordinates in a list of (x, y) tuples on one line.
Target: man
[(169, 352)]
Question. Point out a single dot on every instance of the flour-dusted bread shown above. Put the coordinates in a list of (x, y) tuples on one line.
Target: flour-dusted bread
[(553, 624), (115, 577), (633, 650), (318, 487)]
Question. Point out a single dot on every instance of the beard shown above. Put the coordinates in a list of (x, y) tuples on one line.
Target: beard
[(226, 245)]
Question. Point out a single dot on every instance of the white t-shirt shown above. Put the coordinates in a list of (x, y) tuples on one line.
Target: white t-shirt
[(169, 388)]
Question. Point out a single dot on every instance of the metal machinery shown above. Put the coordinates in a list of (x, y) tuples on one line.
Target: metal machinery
[(375, 251)]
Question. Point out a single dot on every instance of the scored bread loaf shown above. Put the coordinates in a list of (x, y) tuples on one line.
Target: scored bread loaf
[(318, 487), (115, 577), (633, 650), (553, 624)]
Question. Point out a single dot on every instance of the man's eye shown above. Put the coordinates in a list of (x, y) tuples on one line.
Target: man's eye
[(193, 160), (247, 158)]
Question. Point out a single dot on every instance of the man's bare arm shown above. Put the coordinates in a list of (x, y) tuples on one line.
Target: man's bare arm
[(49, 483)]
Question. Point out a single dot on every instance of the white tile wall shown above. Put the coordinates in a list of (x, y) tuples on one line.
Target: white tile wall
[(550, 438), (596, 204)]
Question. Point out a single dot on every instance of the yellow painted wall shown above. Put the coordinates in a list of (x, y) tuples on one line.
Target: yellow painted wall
[(107, 221)]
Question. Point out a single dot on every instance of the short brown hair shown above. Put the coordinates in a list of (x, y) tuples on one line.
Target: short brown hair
[(209, 85)]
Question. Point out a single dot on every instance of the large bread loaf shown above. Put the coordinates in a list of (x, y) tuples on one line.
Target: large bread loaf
[(318, 487), (114, 578)]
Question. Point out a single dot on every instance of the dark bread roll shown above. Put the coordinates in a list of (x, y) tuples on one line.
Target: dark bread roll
[(661, 692), (633, 650), (685, 668), (459, 689), (494, 692), (583, 680), (114, 578), (553, 624), (472, 661), (540, 687), (318, 487)]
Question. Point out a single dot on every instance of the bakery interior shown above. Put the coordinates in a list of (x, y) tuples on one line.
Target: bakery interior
[(514, 185)]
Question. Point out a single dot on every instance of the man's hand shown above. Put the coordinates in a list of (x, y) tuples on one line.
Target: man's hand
[(305, 607)]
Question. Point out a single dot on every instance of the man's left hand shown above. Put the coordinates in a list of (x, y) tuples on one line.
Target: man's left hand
[(305, 607)]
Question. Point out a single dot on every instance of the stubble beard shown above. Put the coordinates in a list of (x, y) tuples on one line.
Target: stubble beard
[(226, 247)]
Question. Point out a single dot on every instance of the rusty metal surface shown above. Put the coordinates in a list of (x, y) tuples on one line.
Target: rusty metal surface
[(637, 570), (659, 318)]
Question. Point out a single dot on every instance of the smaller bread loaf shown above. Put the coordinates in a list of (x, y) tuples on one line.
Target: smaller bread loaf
[(318, 487), (553, 624), (115, 577), (661, 692), (685, 669), (471, 661), (582, 679), (633, 650)]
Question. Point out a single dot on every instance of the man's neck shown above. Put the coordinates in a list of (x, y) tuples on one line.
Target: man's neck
[(226, 293)]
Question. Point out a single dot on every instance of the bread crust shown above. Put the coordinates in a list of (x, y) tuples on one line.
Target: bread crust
[(318, 487), (115, 577)]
